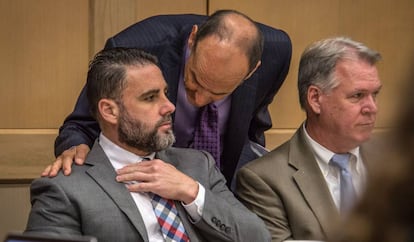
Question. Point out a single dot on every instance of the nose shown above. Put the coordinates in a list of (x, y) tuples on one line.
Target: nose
[(167, 107), (370, 107), (201, 98)]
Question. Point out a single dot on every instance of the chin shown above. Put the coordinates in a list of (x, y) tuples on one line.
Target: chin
[(192, 102), (364, 138)]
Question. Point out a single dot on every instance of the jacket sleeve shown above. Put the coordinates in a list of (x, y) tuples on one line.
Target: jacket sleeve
[(270, 76), (224, 218), (78, 128), (52, 212), (260, 198)]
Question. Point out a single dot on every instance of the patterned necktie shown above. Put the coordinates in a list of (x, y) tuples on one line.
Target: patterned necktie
[(171, 226), (206, 135), (347, 188), (167, 216)]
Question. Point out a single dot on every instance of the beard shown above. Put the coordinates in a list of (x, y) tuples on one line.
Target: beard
[(137, 134)]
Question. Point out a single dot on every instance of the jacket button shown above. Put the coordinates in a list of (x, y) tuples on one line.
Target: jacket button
[(227, 230), (218, 222), (223, 227), (214, 220)]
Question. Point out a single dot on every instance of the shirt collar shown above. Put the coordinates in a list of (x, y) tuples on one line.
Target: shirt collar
[(118, 156), (324, 155)]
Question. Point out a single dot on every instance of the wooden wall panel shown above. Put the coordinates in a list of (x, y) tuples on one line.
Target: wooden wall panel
[(111, 16), (14, 208), (389, 28), (44, 54)]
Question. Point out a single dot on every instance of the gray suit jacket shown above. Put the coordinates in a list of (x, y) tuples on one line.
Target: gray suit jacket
[(287, 190), (91, 202)]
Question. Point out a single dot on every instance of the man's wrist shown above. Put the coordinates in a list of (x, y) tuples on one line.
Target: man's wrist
[(191, 193), (195, 208)]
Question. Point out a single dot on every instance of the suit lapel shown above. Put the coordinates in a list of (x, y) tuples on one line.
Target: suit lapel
[(189, 228), (240, 116), (311, 182), (104, 174)]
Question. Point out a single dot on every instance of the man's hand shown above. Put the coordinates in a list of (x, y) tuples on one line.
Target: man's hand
[(65, 160), (160, 178)]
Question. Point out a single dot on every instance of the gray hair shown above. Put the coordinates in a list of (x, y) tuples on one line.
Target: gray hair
[(318, 62)]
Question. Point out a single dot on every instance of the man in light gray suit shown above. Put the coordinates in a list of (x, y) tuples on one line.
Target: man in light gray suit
[(110, 197), (297, 189)]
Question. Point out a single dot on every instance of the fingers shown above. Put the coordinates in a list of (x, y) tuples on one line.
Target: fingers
[(80, 155), (140, 187), (66, 164), (143, 172), (55, 167), (143, 166), (135, 177), (160, 178), (65, 160), (46, 171)]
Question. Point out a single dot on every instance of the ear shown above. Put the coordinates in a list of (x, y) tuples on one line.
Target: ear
[(109, 111), (251, 73), (314, 98), (193, 33)]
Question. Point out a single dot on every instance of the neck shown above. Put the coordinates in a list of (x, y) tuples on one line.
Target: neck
[(113, 137)]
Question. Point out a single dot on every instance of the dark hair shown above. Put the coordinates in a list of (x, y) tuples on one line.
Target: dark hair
[(217, 25), (107, 73)]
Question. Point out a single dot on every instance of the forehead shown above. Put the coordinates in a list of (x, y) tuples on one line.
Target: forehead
[(144, 77), (219, 63), (357, 73)]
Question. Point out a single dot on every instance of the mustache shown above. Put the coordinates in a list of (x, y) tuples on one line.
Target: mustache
[(165, 119)]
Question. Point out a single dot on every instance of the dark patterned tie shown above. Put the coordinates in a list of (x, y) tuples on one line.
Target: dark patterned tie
[(347, 187), (206, 134)]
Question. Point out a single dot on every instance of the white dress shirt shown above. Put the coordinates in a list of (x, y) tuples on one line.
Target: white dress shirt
[(332, 174), (120, 158)]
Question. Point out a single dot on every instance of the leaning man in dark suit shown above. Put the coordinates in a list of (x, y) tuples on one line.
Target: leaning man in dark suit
[(177, 194), (300, 188), (208, 62)]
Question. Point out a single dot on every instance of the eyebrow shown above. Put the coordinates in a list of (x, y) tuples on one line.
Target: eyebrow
[(366, 90), (212, 92), (154, 91)]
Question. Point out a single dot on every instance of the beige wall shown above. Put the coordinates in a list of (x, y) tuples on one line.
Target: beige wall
[(45, 47), (14, 207)]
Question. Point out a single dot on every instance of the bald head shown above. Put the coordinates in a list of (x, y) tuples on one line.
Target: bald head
[(235, 29)]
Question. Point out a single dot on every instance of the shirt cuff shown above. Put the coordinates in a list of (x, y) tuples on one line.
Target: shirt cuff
[(195, 208)]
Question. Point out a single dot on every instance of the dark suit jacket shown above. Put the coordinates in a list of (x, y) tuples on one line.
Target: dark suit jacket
[(91, 202), (165, 36), (287, 190)]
